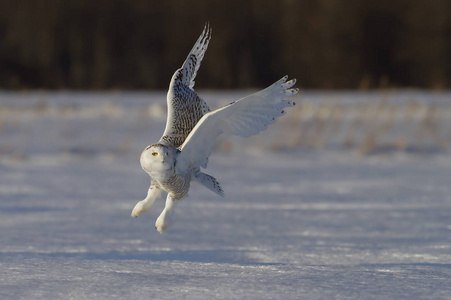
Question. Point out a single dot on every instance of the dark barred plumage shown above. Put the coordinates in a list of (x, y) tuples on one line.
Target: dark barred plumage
[(178, 186), (187, 109)]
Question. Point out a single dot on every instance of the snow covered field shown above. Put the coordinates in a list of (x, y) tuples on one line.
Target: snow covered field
[(299, 220)]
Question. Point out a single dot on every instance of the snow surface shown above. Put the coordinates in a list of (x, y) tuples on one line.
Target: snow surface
[(295, 223)]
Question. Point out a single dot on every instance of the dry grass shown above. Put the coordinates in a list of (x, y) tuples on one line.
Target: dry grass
[(367, 128)]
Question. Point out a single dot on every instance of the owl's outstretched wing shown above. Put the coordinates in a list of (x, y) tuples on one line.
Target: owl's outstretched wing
[(185, 107), (245, 117)]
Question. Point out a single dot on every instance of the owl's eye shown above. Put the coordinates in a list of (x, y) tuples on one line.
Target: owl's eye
[(154, 153)]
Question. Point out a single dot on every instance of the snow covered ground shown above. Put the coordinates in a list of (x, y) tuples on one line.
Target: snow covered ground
[(296, 222)]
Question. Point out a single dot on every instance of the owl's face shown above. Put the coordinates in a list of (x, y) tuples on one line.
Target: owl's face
[(157, 160)]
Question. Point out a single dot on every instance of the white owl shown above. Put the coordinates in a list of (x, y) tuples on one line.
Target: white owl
[(192, 129)]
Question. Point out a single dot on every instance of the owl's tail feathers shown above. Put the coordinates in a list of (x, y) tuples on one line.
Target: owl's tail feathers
[(209, 182)]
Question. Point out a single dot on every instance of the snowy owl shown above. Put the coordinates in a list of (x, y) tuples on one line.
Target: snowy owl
[(192, 129)]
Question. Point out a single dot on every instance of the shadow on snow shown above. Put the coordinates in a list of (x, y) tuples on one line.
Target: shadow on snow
[(240, 257)]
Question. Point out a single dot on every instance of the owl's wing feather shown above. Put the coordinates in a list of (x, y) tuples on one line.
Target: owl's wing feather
[(195, 56), (245, 117), (185, 107)]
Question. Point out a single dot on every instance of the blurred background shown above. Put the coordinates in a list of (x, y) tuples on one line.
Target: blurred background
[(137, 44), (90, 77)]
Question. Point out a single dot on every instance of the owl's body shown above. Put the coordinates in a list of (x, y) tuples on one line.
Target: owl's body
[(192, 129)]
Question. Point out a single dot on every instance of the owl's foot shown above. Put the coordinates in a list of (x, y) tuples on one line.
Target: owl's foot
[(164, 220), (142, 206)]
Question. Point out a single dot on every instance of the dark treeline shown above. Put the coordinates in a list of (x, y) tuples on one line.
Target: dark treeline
[(129, 44)]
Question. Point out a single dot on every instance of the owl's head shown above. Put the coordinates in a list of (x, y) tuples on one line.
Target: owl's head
[(157, 158)]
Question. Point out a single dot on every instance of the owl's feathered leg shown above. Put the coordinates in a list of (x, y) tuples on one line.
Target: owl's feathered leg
[(153, 193), (164, 220)]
